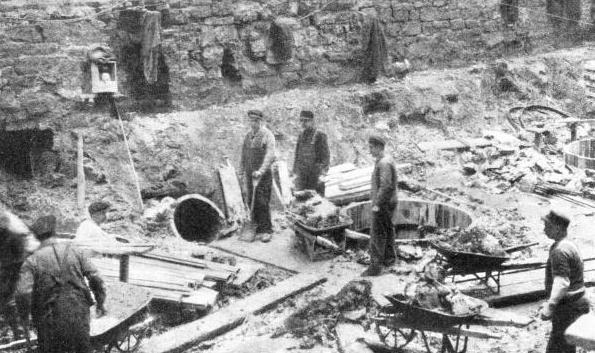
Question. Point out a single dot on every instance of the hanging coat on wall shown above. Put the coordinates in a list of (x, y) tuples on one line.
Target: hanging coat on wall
[(376, 53)]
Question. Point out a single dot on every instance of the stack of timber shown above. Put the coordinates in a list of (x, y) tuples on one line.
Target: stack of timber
[(345, 183), (172, 279)]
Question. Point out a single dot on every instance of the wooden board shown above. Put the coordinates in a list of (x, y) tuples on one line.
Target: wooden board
[(454, 144), (235, 209), (582, 332), (188, 335), (284, 182)]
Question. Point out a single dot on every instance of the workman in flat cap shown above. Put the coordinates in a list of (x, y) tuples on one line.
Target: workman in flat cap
[(89, 229), (258, 154), (564, 284), (383, 199), (312, 156), (52, 287)]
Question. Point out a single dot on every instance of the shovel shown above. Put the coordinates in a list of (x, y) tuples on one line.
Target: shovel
[(251, 230)]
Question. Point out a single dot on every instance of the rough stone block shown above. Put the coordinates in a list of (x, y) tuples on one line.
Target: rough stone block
[(441, 24), (199, 12), (472, 23), (257, 48), (219, 21), (439, 3), (201, 2), (401, 15), (401, 6), (27, 34), (223, 8), (178, 17), (212, 56), (428, 28), (412, 28), (429, 14), (457, 24), (414, 14), (245, 12), (393, 29), (193, 75)]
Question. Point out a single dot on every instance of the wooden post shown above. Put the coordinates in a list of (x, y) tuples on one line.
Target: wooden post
[(80, 171), (124, 267)]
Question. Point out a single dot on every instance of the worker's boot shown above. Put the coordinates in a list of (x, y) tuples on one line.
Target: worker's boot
[(265, 237), (372, 270)]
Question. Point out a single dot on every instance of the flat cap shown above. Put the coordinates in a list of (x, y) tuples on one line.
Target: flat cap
[(98, 206), (306, 114), (254, 113), (44, 226), (376, 139), (557, 217)]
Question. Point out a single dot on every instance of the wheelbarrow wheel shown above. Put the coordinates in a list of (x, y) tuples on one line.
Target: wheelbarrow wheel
[(127, 343), (394, 337)]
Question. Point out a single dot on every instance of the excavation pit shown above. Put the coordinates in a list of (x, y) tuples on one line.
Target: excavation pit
[(412, 216), (580, 154)]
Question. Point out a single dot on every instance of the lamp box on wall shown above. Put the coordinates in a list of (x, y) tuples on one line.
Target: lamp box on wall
[(103, 77)]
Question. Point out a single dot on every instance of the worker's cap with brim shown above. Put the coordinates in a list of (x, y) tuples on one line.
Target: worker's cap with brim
[(98, 206), (557, 217), (44, 226), (255, 114), (376, 139), (306, 115)]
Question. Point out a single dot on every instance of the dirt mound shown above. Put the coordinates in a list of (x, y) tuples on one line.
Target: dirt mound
[(317, 320)]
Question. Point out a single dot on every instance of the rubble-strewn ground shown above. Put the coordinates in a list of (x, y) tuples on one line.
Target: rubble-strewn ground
[(434, 105)]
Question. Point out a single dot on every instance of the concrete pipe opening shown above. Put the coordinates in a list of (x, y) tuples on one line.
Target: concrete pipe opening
[(580, 154), (197, 218)]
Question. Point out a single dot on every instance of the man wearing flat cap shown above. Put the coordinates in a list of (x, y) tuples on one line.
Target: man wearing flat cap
[(258, 154), (52, 287), (311, 155), (564, 284), (89, 229), (383, 199)]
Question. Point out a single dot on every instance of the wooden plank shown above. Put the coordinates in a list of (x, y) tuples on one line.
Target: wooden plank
[(235, 208), (581, 332), (495, 317), (341, 168), (185, 336), (284, 182)]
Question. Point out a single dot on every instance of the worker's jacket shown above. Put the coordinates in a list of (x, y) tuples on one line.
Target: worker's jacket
[(311, 153), (54, 270), (258, 152), (384, 184)]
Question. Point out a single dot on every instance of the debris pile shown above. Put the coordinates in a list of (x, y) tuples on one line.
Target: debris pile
[(315, 322), (317, 212), (428, 292), (473, 240)]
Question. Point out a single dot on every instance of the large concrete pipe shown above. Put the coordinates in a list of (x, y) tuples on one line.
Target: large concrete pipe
[(197, 218)]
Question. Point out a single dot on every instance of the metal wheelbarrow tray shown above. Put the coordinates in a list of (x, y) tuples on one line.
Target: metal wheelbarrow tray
[(462, 260), (418, 315), (320, 231)]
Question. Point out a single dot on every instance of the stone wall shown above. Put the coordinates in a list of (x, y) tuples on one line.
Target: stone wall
[(214, 51)]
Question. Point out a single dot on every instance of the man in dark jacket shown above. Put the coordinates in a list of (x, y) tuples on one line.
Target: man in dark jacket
[(564, 283), (52, 287), (258, 154), (383, 199), (311, 155)]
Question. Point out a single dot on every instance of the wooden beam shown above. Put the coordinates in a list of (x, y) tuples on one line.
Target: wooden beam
[(185, 336), (80, 177)]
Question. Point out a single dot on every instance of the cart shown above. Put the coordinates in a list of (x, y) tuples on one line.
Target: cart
[(486, 268), (319, 243), (400, 323), (125, 335), (109, 333)]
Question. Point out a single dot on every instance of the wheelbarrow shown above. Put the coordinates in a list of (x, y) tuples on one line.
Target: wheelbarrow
[(399, 323)]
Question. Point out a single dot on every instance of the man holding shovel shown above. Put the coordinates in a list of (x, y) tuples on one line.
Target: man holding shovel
[(258, 154)]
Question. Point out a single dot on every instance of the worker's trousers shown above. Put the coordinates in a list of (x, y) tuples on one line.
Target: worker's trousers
[(382, 238), (262, 197), (564, 315)]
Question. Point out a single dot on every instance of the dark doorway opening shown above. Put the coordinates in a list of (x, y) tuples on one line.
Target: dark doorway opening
[(148, 95), (21, 150), (229, 67)]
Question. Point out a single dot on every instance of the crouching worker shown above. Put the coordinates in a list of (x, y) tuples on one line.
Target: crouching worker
[(52, 287), (564, 283)]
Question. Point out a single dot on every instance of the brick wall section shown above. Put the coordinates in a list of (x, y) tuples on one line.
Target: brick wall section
[(39, 61)]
